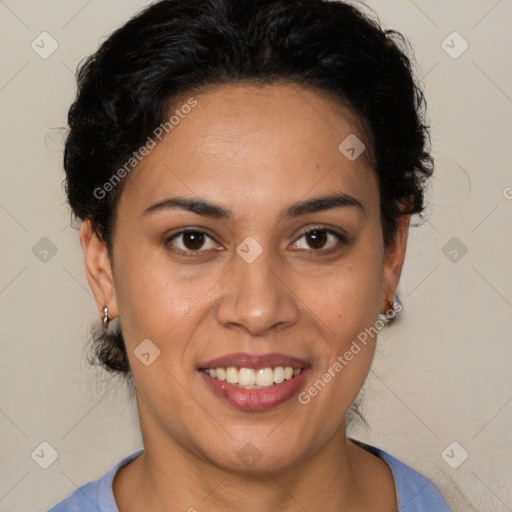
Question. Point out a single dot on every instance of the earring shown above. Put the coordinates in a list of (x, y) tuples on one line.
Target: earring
[(105, 317), (387, 315)]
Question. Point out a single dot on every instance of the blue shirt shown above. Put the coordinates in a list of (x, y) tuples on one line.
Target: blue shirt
[(414, 492)]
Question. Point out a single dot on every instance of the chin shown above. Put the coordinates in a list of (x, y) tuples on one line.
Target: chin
[(259, 455)]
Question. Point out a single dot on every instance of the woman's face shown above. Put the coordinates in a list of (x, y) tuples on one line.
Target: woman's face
[(290, 270)]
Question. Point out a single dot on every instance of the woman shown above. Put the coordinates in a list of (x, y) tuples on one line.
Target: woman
[(245, 173)]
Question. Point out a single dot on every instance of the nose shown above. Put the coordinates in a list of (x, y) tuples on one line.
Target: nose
[(256, 298)]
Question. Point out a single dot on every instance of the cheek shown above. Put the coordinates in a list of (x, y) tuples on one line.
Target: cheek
[(160, 302), (346, 314), (346, 300), (346, 306)]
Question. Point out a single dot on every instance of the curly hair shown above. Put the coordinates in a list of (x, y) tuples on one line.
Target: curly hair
[(174, 48)]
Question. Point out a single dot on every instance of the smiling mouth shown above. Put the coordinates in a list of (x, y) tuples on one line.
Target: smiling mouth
[(253, 378)]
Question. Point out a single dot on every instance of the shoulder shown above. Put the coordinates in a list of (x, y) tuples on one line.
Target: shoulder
[(94, 496), (415, 493)]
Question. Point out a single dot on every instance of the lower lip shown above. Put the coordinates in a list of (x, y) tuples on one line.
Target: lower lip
[(256, 399)]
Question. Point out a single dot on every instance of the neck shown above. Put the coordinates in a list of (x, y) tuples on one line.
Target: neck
[(167, 478)]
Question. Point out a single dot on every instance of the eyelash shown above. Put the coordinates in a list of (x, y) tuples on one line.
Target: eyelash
[(342, 240), (189, 253)]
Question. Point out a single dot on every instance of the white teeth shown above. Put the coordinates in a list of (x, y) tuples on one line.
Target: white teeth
[(232, 375), (246, 377), (278, 375), (288, 373), (264, 377), (254, 379)]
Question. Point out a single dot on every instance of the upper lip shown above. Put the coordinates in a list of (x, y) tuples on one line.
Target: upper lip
[(245, 360)]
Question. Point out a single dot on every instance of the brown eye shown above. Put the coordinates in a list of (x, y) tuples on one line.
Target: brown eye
[(316, 238), (320, 240), (192, 240)]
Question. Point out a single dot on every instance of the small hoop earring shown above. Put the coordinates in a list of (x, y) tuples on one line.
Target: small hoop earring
[(387, 315), (105, 317), (384, 319)]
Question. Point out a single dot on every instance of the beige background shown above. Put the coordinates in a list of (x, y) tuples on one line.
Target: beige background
[(441, 375)]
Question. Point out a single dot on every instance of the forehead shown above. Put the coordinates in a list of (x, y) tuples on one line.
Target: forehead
[(247, 145)]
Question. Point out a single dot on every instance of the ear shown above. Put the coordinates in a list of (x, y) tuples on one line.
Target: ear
[(393, 263), (98, 269)]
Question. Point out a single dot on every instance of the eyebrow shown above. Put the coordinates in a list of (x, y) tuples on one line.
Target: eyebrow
[(207, 209)]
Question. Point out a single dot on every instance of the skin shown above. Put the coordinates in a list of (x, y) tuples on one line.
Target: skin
[(254, 151)]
